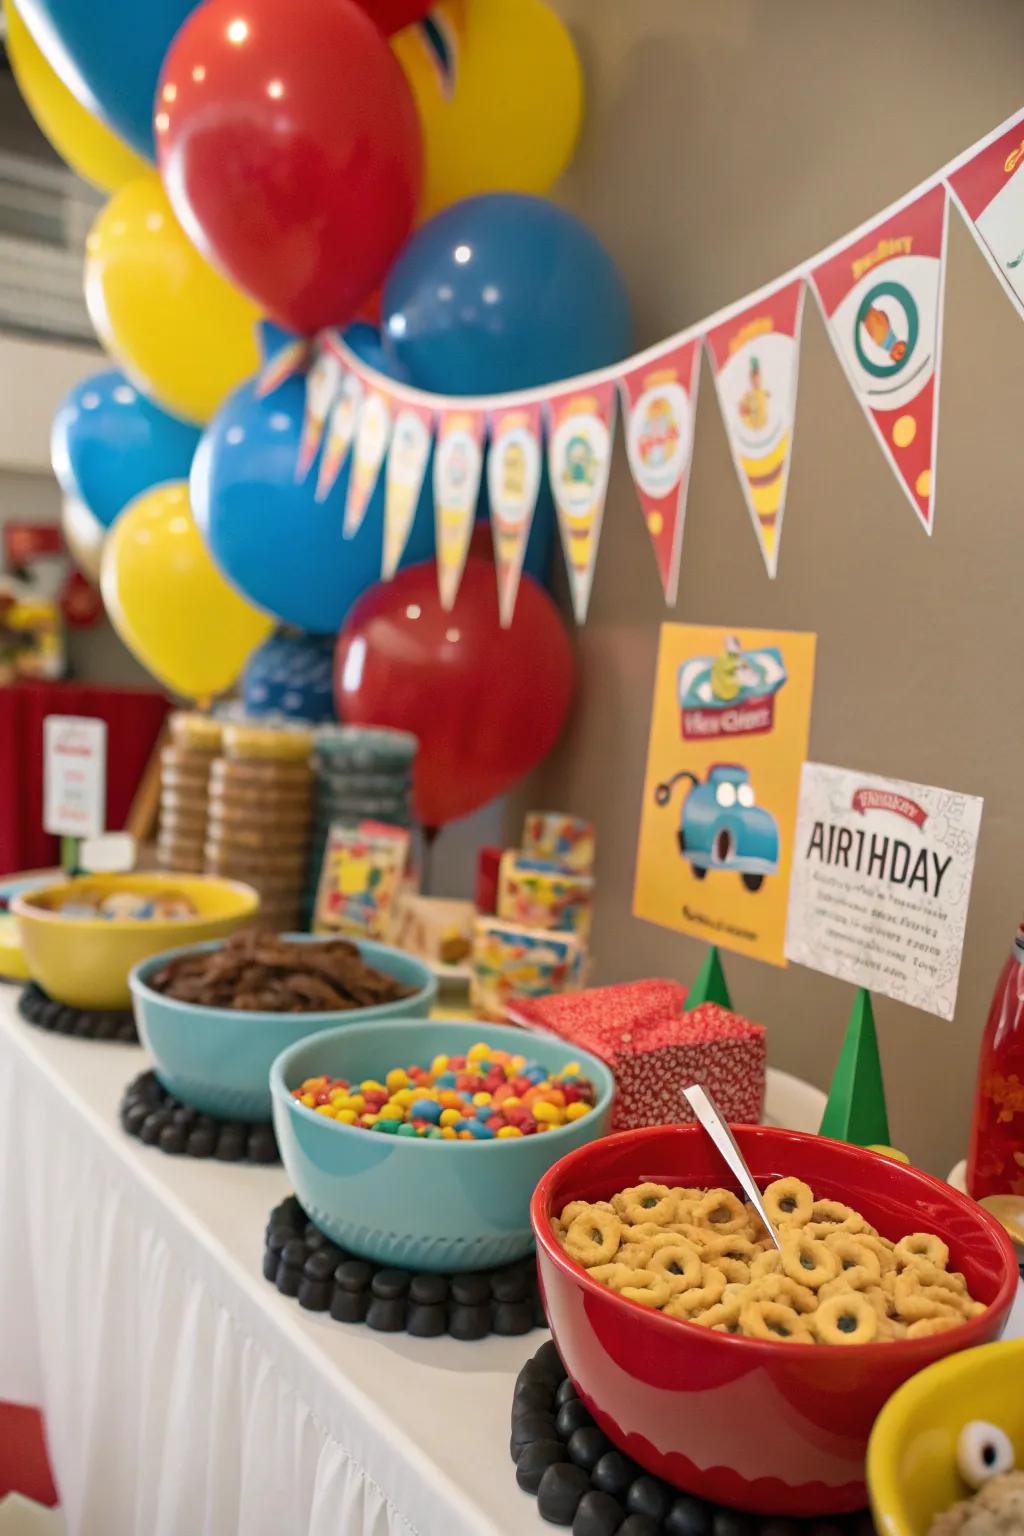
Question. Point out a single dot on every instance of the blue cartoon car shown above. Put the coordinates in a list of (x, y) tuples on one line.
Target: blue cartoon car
[(722, 827)]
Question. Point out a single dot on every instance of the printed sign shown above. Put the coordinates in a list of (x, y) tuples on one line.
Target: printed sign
[(513, 485), (323, 381), (659, 400), (755, 357), (881, 883), (408, 457), (579, 461), (989, 191), (718, 815), (371, 444), (882, 298), (74, 776), (458, 463), (341, 429)]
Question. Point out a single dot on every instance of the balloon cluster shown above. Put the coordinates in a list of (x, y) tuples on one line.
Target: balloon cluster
[(276, 170)]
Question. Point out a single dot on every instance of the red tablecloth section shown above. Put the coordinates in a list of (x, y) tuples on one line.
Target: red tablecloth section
[(134, 717)]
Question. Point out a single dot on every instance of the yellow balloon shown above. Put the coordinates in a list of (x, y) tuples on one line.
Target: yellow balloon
[(499, 90), (84, 536), (79, 138), (169, 603), (177, 328)]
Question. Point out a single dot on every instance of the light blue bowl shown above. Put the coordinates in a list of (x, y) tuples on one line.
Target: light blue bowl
[(218, 1059), (409, 1201)]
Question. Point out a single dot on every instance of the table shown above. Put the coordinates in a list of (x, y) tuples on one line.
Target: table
[(182, 1393)]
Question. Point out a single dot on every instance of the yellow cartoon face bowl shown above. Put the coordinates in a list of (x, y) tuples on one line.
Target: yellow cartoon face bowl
[(84, 960), (965, 1410)]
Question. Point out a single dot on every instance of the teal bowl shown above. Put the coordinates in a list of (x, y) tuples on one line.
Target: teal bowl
[(412, 1202), (219, 1059)]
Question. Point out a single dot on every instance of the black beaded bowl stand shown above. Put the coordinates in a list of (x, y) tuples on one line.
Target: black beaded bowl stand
[(303, 1263), (160, 1120), (580, 1480), (37, 1007)]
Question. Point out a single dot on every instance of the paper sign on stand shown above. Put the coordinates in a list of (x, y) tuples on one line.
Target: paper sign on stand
[(881, 883), (74, 776), (729, 732)]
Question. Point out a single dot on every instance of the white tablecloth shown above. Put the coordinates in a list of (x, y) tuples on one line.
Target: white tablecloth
[(183, 1395)]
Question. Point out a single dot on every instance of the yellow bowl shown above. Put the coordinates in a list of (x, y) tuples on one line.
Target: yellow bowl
[(911, 1466), (84, 961)]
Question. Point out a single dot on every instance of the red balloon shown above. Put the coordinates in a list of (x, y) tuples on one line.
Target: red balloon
[(486, 703), (291, 150), (393, 15)]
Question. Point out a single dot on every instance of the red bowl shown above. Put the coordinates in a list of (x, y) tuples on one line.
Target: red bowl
[(763, 1426)]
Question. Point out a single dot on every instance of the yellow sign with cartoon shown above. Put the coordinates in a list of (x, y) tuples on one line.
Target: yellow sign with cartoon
[(729, 730)]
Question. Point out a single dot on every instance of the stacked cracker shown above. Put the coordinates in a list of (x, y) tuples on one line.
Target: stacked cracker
[(184, 784)]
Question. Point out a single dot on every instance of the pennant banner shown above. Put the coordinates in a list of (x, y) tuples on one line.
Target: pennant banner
[(882, 298), (513, 485), (371, 444), (323, 383), (989, 190), (659, 404), (755, 358), (341, 428), (458, 463), (580, 429), (291, 359), (411, 442)]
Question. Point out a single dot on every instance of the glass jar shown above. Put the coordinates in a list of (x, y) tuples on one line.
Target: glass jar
[(995, 1164)]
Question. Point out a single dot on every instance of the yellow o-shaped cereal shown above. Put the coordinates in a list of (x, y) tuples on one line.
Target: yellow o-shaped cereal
[(767, 1263), (635, 1254), (724, 1317), (806, 1260), (925, 1326), (771, 1320), (859, 1266), (646, 1203), (722, 1211), (916, 1300), (679, 1263), (788, 1202), (653, 1291), (782, 1288), (829, 1216), (699, 1297), (593, 1237), (921, 1245), (849, 1319), (881, 1248)]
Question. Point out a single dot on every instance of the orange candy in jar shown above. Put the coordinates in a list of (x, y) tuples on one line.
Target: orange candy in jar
[(995, 1165)]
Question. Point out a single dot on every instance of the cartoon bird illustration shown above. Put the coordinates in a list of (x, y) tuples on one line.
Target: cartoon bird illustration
[(730, 672), (879, 327)]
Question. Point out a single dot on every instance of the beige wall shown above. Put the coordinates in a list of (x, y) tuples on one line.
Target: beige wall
[(726, 140)]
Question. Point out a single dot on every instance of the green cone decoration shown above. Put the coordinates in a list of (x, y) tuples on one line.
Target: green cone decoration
[(710, 986), (855, 1111)]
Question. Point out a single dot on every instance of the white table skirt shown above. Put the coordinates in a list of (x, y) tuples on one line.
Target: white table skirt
[(183, 1395)]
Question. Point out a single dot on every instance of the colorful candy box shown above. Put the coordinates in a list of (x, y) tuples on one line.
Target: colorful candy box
[(510, 962), (437, 929), (560, 839), (361, 876), (540, 894), (655, 1049)]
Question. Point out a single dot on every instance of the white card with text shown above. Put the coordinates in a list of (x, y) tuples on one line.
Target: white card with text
[(75, 776), (881, 883)]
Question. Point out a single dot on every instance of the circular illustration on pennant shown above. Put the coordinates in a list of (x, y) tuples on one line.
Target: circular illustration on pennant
[(659, 436), (457, 470), (513, 476), (579, 452), (373, 430), (410, 446), (886, 329)]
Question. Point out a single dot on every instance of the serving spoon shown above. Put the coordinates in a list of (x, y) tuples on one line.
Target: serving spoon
[(707, 1112)]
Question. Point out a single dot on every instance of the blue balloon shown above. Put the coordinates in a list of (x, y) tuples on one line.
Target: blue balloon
[(268, 534), (503, 292), (109, 444), (368, 345), (109, 54), (291, 674)]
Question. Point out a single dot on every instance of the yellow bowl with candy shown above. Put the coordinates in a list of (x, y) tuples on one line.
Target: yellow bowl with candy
[(81, 954)]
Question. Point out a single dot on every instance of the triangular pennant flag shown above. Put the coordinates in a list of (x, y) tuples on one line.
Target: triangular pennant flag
[(882, 299), (659, 403), (371, 444), (710, 984), (323, 383), (341, 429), (989, 191), (458, 464), (408, 457), (513, 485), (755, 357), (288, 360), (580, 435), (855, 1111)]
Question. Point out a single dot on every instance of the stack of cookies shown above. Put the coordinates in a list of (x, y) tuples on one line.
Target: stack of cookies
[(260, 805), (184, 778)]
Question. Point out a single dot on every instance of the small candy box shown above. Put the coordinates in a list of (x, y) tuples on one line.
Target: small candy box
[(512, 963), (656, 1050), (435, 929), (539, 894), (360, 877), (560, 839)]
